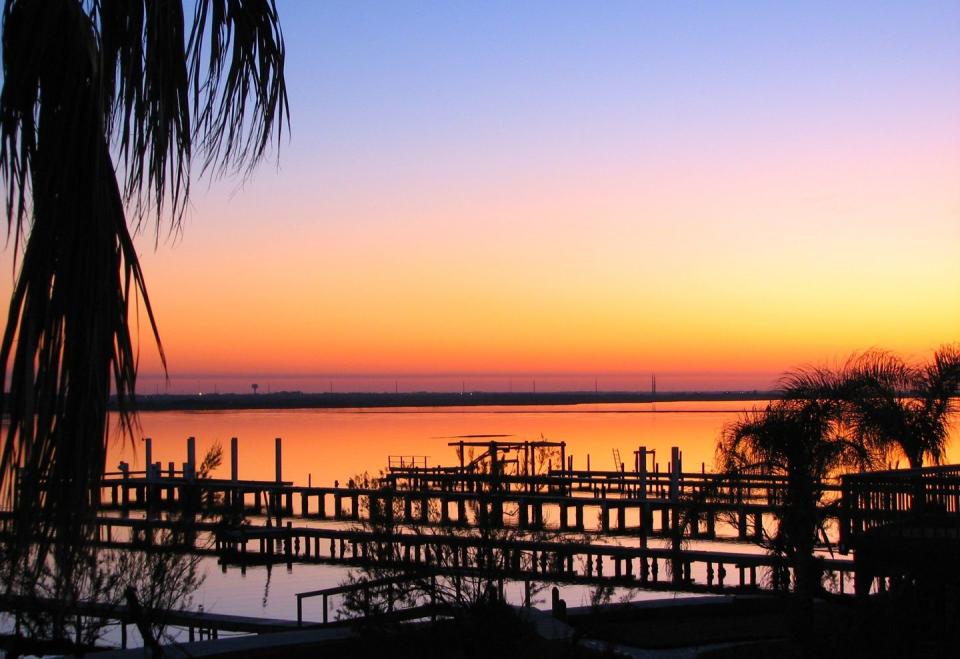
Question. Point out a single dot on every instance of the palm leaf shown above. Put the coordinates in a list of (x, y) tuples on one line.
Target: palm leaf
[(84, 82)]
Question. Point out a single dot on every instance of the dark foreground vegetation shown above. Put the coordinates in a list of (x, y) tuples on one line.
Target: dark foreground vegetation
[(489, 629), (896, 624)]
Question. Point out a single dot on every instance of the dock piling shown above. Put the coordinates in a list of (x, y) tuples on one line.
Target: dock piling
[(279, 450), (148, 455), (234, 460), (190, 466)]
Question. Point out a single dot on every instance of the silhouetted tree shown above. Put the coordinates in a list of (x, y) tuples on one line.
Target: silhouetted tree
[(459, 581), (803, 440), (161, 579), (897, 406), (105, 105)]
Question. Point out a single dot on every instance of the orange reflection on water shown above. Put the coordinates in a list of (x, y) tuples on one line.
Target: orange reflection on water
[(321, 446)]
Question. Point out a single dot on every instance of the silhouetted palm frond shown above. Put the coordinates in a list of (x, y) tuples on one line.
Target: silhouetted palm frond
[(804, 438), (893, 404), (84, 81), (219, 89)]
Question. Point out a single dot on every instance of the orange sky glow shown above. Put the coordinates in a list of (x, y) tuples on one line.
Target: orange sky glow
[(576, 218)]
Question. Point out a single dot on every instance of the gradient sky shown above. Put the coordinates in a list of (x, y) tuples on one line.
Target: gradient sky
[(494, 192)]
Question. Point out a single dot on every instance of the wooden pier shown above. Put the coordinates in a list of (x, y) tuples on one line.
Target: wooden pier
[(483, 492), (903, 524), (498, 512), (563, 559)]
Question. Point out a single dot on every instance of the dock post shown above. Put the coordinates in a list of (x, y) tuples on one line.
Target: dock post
[(526, 462), (234, 473), (388, 507), (171, 473), (148, 452), (675, 472), (234, 460), (642, 470), (124, 493), (190, 466), (278, 448)]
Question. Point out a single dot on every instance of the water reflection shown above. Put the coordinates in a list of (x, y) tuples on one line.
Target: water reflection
[(321, 446)]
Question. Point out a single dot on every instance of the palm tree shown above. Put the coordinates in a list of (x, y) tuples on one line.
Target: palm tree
[(803, 440), (105, 104), (897, 406)]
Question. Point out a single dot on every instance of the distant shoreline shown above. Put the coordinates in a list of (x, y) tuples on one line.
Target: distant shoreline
[(299, 400)]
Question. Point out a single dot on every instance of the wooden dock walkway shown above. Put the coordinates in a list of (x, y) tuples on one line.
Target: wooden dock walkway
[(422, 516), (199, 624), (478, 493), (645, 516), (562, 559)]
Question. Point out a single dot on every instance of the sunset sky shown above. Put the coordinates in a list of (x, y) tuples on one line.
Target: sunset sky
[(493, 193)]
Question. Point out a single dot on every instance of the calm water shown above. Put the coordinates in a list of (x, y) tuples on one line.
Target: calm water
[(326, 445), (321, 446)]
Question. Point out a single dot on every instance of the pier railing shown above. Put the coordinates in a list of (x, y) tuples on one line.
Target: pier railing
[(748, 488), (874, 499), (407, 461), (366, 588)]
